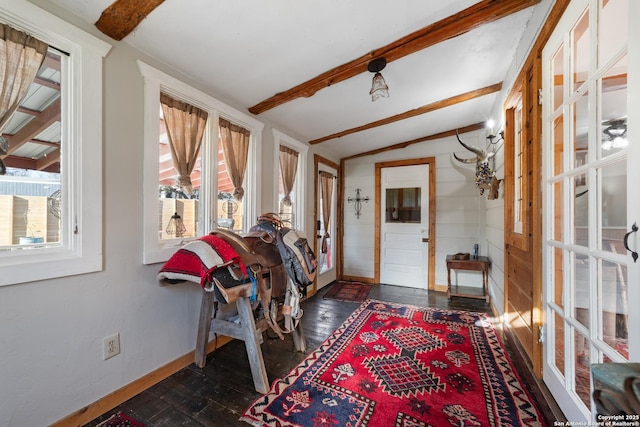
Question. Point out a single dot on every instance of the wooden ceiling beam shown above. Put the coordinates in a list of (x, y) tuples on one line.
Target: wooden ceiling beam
[(19, 162), (481, 13), (415, 112), (47, 160), (39, 123), (123, 16), (440, 135)]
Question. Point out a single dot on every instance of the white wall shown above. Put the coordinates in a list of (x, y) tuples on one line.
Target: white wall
[(460, 209), (51, 331)]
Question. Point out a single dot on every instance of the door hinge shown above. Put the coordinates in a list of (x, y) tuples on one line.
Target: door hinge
[(540, 334), (540, 96)]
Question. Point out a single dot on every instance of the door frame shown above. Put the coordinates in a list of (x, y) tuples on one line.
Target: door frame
[(431, 161)]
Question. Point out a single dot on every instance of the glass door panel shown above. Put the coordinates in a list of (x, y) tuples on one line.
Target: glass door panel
[(558, 341), (580, 51), (558, 278), (582, 289), (557, 71), (587, 202), (613, 32)]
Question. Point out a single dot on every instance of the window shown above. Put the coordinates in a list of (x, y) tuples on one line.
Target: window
[(292, 214), (51, 195), (520, 114), (518, 170), (211, 204)]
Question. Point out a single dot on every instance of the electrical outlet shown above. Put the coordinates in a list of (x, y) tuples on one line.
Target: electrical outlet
[(111, 346)]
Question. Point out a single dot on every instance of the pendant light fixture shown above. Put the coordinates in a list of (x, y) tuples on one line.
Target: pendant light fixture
[(379, 87)]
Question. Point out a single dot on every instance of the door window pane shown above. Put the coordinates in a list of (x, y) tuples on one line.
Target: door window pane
[(613, 31), (613, 106), (613, 208), (558, 233), (614, 307), (403, 205), (581, 209), (558, 145), (582, 365), (581, 50), (557, 72), (582, 289), (558, 341), (581, 130), (558, 278)]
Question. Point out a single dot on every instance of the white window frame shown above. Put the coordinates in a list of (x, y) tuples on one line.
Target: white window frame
[(155, 81), (519, 179), (80, 250), (300, 184)]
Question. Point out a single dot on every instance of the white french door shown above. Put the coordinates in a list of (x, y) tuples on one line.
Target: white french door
[(404, 226), (326, 260), (591, 167)]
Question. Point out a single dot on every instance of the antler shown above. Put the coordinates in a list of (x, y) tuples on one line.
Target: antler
[(481, 155), (472, 160)]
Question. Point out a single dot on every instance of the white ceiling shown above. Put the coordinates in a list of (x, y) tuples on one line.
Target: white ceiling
[(247, 51)]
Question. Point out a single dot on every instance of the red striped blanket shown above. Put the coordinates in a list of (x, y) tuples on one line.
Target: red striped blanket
[(197, 260)]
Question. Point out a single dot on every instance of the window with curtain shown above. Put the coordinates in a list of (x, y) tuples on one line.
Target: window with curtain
[(290, 160), (286, 194), (207, 184), (182, 128), (46, 119)]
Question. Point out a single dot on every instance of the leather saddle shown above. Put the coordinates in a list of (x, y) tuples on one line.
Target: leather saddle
[(266, 276)]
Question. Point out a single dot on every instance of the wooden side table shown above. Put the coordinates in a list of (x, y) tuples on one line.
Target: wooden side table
[(481, 264)]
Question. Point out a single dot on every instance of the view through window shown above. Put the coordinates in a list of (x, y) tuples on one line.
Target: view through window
[(174, 202), (31, 191)]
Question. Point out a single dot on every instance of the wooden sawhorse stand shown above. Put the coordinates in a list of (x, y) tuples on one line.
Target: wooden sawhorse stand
[(247, 330)]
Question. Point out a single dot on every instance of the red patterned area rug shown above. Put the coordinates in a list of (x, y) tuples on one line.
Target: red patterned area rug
[(348, 291), (120, 420), (398, 365)]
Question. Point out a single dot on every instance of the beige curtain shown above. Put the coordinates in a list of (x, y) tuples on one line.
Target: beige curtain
[(326, 188), (288, 169), (235, 146), (185, 127), (20, 59)]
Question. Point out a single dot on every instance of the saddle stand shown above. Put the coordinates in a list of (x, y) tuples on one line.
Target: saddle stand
[(255, 254)]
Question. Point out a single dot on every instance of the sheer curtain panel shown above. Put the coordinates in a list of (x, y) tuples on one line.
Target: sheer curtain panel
[(185, 125), (20, 57), (288, 169), (235, 146), (326, 187)]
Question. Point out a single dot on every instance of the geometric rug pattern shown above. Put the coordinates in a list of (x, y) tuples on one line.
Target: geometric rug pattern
[(398, 365)]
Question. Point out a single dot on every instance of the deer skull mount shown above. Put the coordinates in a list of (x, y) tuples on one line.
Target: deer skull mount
[(486, 179)]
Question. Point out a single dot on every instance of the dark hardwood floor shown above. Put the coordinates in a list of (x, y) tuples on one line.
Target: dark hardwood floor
[(220, 392)]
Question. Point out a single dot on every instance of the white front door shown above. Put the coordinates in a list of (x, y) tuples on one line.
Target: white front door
[(404, 226), (591, 156)]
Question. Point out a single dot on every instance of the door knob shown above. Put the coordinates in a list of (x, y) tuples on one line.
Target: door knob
[(425, 240), (634, 254)]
